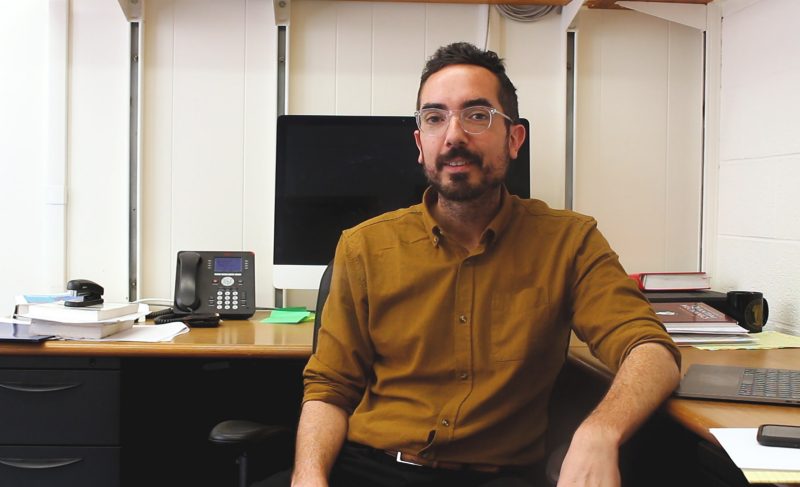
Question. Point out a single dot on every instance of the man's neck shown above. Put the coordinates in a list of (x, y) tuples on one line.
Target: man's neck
[(465, 221)]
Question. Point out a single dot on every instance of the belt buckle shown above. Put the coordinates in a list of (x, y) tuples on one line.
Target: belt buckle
[(400, 460)]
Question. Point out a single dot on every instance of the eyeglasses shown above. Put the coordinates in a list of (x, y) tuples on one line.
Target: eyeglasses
[(473, 120)]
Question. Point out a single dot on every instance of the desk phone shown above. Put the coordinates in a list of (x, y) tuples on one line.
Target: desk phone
[(216, 282)]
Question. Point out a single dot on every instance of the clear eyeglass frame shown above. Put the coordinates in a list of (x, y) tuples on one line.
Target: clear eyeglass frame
[(472, 120)]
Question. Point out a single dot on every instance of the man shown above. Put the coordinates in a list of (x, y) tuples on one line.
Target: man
[(448, 322)]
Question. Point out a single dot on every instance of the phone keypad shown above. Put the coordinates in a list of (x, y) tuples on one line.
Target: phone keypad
[(228, 299)]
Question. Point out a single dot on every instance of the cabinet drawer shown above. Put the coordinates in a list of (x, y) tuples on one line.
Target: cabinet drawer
[(59, 407), (39, 466)]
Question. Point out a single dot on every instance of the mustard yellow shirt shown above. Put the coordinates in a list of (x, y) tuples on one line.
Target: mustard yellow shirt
[(451, 354)]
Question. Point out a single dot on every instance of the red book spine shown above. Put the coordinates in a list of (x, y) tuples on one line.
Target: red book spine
[(639, 278)]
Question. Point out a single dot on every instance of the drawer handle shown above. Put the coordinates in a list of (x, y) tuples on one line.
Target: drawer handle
[(39, 463), (20, 387)]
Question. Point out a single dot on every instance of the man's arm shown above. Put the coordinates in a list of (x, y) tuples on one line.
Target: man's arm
[(320, 435), (644, 380)]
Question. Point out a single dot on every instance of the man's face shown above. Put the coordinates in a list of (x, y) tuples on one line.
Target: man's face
[(462, 166)]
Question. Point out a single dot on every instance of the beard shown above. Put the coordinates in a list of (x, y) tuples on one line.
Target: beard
[(458, 187)]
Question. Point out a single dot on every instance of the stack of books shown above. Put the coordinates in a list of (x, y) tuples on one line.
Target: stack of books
[(90, 322), (672, 281), (697, 322)]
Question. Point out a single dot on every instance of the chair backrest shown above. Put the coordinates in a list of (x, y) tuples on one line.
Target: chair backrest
[(322, 296)]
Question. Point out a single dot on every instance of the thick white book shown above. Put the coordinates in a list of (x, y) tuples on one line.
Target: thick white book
[(100, 329), (88, 314)]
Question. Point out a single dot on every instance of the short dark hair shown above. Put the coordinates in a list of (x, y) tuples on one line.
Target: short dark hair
[(466, 53)]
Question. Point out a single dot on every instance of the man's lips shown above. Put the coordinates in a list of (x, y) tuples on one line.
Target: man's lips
[(458, 159), (459, 165)]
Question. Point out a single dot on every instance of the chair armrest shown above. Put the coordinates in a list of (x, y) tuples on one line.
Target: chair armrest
[(244, 433)]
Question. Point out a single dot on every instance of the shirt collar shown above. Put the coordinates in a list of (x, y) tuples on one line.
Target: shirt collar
[(493, 230)]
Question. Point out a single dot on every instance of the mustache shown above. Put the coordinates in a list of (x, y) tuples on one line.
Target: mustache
[(459, 152)]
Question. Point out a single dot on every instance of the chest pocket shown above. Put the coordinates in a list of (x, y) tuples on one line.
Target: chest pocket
[(519, 319)]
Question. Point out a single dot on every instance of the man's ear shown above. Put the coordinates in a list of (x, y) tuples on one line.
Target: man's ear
[(420, 159), (516, 136)]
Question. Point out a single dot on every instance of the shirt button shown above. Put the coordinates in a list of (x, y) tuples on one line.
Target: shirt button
[(445, 422), (463, 376), (462, 319)]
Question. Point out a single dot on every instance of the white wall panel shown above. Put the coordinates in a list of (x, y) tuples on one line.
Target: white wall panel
[(97, 206), (208, 138), (354, 33), (366, 57), (207, 98), (684, 147), (398, 57), (761, 72), (312, 67), (444, 24), (23, 97), (638, 132), (158, 119), (759, 208)]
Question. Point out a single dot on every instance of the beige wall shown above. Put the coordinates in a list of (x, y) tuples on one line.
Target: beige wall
[(758, 239), (63, 146), (208, 106), (208, 123), (638, 136)]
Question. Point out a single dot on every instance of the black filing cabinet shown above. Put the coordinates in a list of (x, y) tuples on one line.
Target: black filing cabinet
[(59, 421)]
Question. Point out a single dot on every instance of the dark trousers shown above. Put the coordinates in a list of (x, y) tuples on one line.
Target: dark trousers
[(362, 466)]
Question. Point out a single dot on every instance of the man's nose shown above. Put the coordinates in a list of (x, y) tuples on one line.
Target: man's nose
[(455, 134)]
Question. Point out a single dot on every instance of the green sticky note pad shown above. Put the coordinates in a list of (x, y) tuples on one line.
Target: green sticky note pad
[(284, 316)]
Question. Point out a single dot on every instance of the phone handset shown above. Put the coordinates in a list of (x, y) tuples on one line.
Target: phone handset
[(186, 295)]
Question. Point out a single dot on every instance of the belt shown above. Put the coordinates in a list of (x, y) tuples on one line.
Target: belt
[(423, 462)]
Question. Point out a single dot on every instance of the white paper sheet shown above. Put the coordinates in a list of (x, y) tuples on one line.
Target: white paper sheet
[(148, 333), (740, 444)]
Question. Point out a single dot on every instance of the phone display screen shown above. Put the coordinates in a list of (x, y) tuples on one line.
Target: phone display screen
[(227, 264)]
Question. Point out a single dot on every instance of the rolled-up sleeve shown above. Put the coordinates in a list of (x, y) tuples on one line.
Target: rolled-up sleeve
[(338, 371), (609, 312)]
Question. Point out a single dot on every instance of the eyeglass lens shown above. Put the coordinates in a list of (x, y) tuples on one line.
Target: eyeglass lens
[(473, 120)]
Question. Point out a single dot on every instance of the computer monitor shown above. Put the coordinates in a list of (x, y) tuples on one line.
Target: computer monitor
[(333, 172)]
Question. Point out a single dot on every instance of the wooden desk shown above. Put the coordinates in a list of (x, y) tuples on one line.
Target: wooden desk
[(695, 452), (699, 415), (232, 339), (154, 403)]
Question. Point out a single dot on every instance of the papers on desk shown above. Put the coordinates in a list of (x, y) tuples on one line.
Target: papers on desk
[(700, 339), (147, 333), (759, 341), (760, 464)]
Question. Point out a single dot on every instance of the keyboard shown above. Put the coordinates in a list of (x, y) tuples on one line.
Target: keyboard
[(770, 383)]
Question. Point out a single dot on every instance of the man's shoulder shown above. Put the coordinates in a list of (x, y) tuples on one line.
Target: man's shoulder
[(539, 210), (401, 219)]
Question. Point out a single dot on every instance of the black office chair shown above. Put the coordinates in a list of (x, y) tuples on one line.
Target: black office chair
[(244, 436)]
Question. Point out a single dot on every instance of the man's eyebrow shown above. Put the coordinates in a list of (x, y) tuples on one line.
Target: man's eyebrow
[(477, 102)]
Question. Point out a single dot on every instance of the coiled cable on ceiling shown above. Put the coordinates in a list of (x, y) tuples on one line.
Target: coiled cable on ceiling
[(526, 13)]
